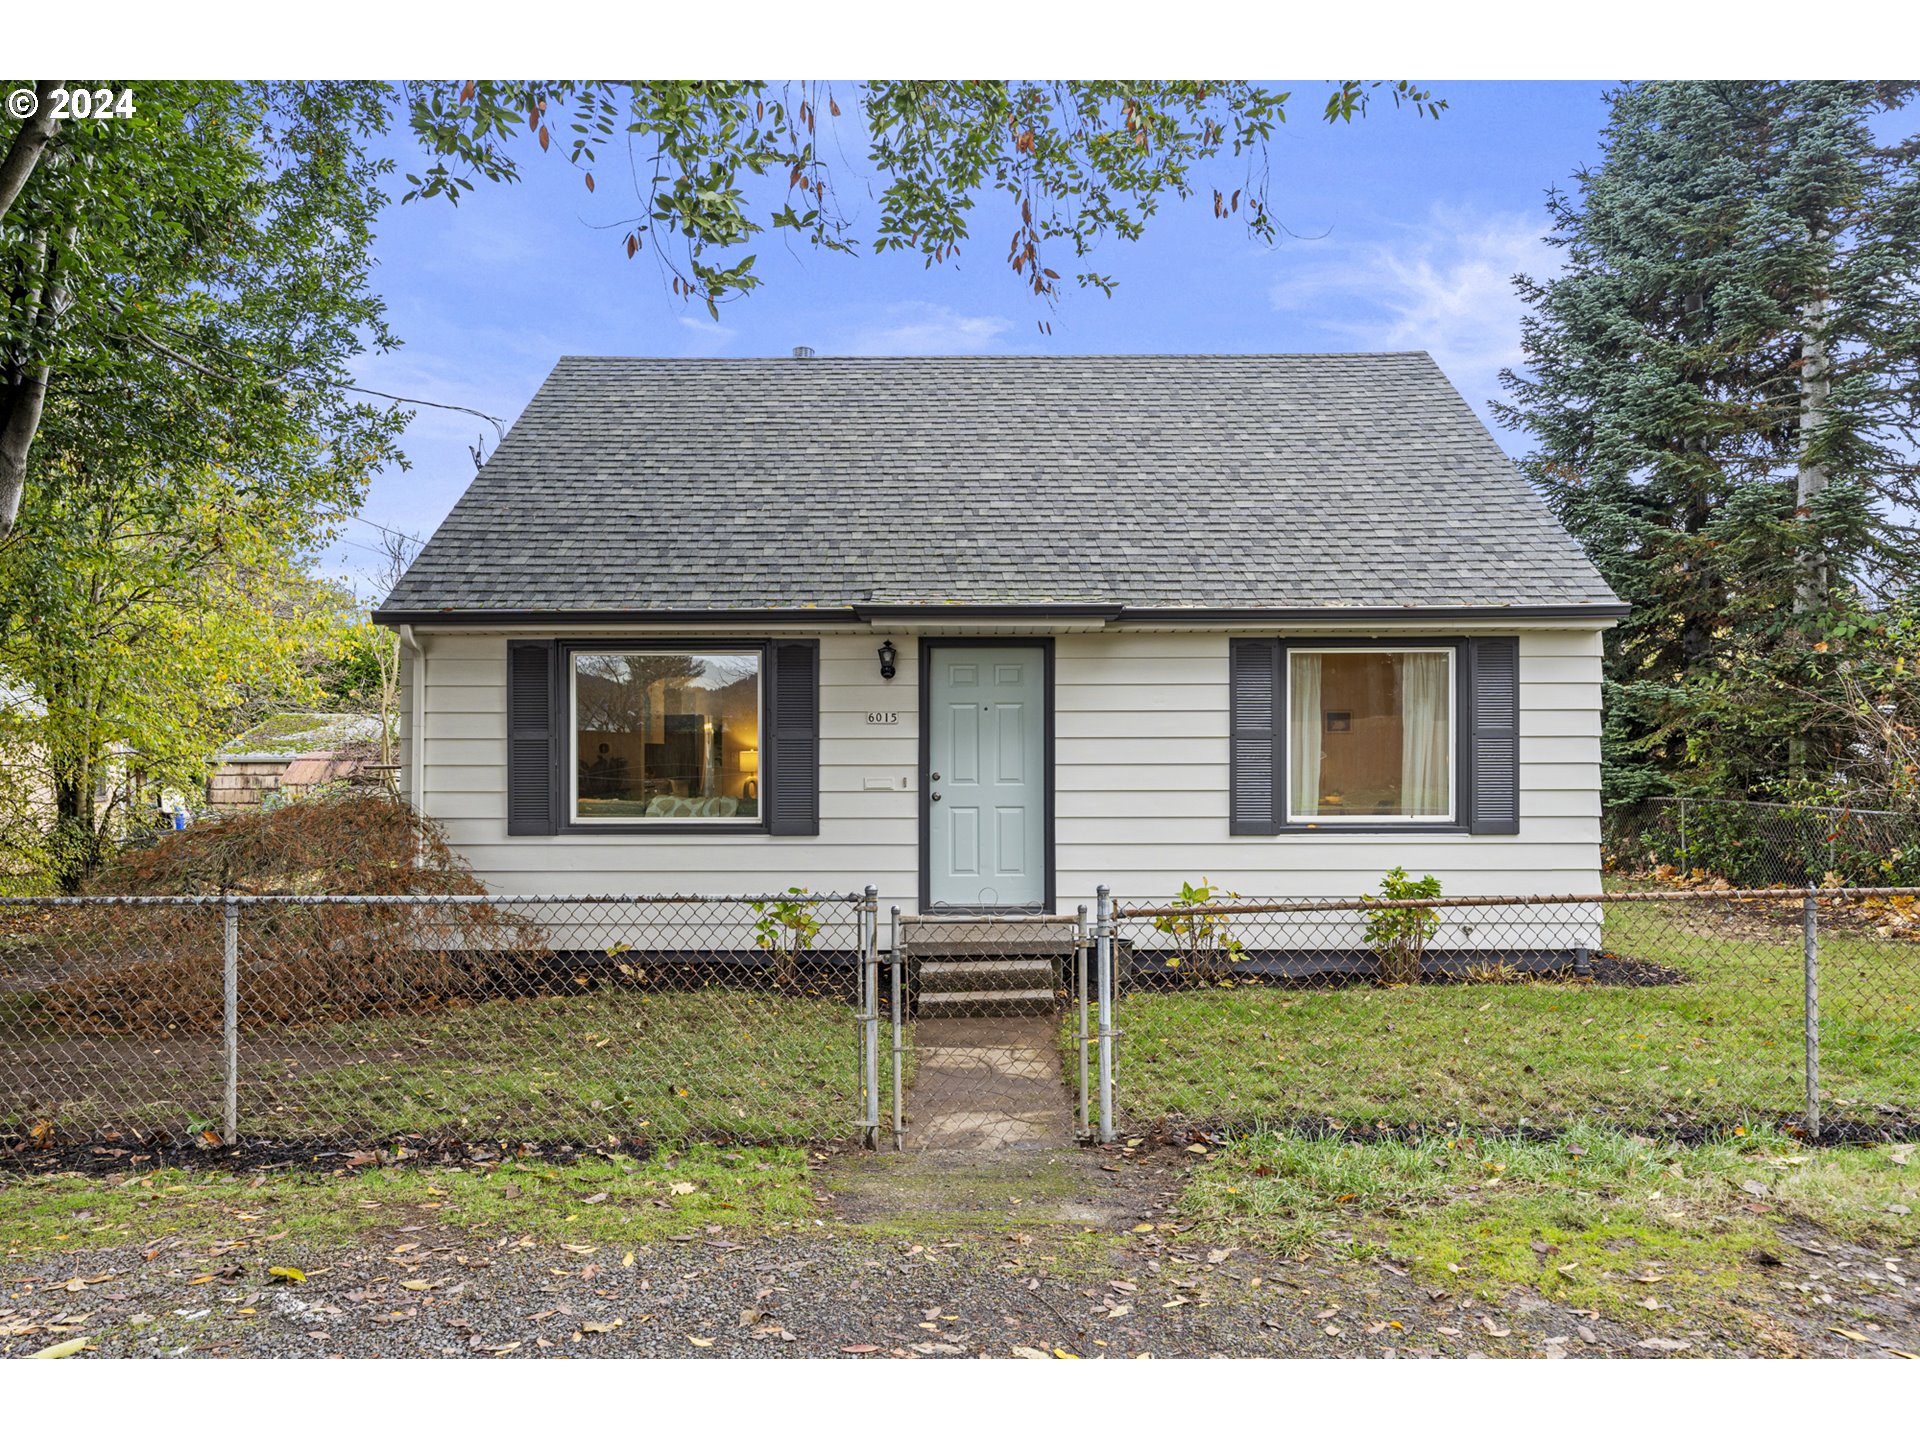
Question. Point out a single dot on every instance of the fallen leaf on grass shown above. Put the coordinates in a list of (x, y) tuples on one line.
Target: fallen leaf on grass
[(284, 1273), (680, 1187), (859, 1349), (1020, 1352), (601, 1327), (1498, 1331), (702, 1341), (1851, 1334)]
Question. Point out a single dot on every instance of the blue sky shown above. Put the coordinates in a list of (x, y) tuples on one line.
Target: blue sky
[(1405, 232)]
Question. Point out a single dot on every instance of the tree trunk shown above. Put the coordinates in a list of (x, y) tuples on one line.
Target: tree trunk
[(1811, 476), (21, 409), (29, 144), (25, 394), (78, 845), (1815, 387)]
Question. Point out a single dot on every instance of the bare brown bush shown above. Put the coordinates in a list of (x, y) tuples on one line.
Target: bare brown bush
[(159, 968)]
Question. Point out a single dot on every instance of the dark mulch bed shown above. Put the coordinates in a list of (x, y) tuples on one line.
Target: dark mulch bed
[(1603, 968)]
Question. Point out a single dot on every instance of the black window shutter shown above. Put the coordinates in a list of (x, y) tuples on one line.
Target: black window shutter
[(534, 737), (1255, 762), (790, 780), (1493, 708)]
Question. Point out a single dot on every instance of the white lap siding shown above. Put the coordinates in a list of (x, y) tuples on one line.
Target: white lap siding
[(867, 837), (1140, 785), (1141, 782)]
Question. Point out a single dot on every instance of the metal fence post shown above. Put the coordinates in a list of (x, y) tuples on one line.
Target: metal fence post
[(1080, 1010), (1810, 959), (230, 968), (899, 1026), (1686, 863), (1103, 972), (870, 967)]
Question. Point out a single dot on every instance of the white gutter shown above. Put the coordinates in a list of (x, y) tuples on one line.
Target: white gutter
[(416, 722)]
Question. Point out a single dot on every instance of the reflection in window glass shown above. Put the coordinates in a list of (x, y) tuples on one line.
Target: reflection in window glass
[(1370, 734), (666, 735)]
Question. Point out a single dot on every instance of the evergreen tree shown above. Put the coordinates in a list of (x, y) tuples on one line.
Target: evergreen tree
[(1723, 388)]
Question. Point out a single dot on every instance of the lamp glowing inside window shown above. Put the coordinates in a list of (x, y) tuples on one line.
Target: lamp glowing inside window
[(663, 735)]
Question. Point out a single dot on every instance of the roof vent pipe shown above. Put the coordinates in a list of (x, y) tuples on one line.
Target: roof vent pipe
[(803, 352)]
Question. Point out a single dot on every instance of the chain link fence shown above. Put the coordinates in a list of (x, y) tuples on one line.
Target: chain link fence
[(1665, 1010), (1756, 843), (356, 1020), (345, 1022)]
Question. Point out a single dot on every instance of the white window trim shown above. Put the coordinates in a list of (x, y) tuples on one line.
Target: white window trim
[(1338, 822), (745, 822)]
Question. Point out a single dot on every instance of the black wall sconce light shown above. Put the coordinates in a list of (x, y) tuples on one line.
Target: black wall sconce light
[(887, 656)]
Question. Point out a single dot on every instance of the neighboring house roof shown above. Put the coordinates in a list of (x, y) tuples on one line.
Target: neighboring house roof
[(1153, 482), (296, 733)]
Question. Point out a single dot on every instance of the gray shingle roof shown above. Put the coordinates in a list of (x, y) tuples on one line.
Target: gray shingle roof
[(1155, 481)]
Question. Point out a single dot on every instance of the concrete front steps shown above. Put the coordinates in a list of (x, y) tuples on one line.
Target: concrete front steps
[(984, 969), (986, 986)]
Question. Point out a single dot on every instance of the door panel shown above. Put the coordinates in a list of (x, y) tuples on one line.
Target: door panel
[(964, 829), (986, 830)]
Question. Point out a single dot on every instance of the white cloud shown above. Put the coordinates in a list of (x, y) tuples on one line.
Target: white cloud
[(922, 328), (706, 336), (1444, 286)]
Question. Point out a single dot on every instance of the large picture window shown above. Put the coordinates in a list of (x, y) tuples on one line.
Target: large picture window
[(1371, 734), (666, 735)]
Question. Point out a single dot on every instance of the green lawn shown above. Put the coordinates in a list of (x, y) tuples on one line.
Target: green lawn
[(1596, 1219), (1723, 1045), (591, 1200), (716, 1064)]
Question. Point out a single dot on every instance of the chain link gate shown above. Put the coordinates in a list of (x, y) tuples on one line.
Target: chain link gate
[(989, 1049)]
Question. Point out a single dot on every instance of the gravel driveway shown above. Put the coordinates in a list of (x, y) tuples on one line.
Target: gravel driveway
[(1037, 1254)]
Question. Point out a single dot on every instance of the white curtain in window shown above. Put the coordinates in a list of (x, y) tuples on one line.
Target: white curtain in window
[(1424, 751), (1303, 730)]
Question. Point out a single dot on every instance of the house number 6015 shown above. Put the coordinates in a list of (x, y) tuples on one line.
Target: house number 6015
[(883, 717)]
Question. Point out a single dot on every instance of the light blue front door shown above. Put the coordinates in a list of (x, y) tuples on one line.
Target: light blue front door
[(986, 778)]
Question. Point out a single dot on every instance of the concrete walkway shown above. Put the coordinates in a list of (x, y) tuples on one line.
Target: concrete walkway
[(988, 1085)]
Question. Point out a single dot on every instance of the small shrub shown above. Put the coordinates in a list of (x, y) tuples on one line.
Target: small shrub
[(1207, 948), (157, 968), (784, 929), (1399, 937)]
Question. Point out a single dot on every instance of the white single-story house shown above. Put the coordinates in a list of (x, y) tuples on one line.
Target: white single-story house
[(990, 632)]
